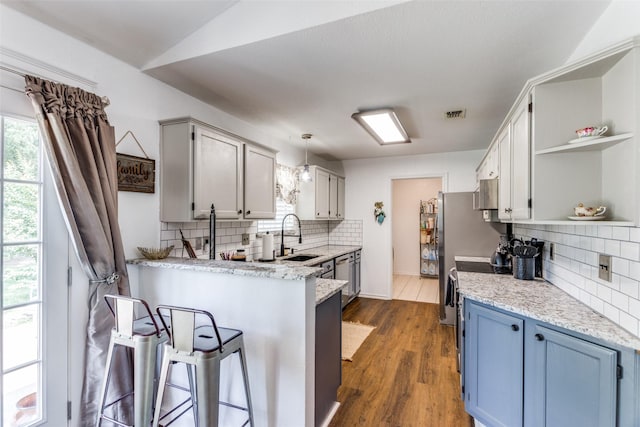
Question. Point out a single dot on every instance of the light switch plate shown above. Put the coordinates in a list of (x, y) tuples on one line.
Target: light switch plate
[(245, 238), (604, 267)]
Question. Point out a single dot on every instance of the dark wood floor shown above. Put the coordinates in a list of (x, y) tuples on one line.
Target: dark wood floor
[(404, 374)]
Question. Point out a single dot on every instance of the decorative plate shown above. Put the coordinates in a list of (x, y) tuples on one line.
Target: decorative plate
[(587, 218)]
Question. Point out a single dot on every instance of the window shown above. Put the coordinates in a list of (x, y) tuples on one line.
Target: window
[(22, 271), (272, 225)]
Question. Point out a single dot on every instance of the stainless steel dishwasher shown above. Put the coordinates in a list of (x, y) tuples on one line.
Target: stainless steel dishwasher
[(344, 264), (327, 271)]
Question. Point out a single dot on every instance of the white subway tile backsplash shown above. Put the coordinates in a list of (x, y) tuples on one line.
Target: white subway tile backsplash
[(597, 304), (167, 235), (620, 266), (605, 231), (634, 307), (620, 300), (634, 270), (630, 250), (629, 287), (575, 268), (620, 233), (612, 247), (612, 312), (597, 245), (229, 236), (629, 322)]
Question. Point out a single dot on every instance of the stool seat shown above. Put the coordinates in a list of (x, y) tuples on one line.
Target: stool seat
[(196, 341), (205, 339), (147, 325), (143, 335)]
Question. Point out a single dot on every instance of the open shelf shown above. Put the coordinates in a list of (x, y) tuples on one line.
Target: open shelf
[(592, 145), (614, 222)]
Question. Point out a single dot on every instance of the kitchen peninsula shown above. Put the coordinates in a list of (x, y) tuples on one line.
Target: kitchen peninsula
[(273, 304)]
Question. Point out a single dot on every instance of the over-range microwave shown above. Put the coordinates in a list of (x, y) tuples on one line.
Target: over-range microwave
[(486, 196)]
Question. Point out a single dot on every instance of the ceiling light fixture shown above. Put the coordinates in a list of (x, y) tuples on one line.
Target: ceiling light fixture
[(305, 176), (383, 125)]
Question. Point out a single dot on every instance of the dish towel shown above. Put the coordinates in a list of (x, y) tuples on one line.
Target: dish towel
[(450, 288)]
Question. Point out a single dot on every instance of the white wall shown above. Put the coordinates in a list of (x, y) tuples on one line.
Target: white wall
[(369, 181), (137, 103), (575, 269), (407, 194), (618, 22)]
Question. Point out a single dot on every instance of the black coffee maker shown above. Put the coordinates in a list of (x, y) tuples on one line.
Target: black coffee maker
[(502, 257)]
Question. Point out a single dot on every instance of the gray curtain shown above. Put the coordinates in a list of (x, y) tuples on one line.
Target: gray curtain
[(80, 146)]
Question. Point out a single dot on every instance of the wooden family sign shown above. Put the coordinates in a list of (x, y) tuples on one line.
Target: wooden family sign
[(135, 173)]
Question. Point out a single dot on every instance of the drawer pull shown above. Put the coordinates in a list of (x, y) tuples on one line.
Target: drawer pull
[(539, 337)]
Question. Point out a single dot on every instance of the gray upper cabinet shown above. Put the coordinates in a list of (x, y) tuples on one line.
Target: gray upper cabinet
[(259, 183), (322, 198), (494, 369), (202, 165), (341, 198), (217, 175)]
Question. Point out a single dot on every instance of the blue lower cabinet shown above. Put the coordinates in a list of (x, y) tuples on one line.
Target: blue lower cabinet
[(493, 367), (570, 382), (521, 372)]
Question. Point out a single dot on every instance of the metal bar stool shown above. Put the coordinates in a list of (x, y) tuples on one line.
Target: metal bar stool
[(200, 347), (143, 335)]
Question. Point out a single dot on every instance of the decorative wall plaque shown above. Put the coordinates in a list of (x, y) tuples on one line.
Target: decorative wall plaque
[(136, 173)]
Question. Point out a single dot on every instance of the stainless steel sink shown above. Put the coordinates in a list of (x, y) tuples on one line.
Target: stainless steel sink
[(301, 257)]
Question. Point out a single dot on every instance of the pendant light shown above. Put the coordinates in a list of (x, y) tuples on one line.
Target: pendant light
[(305, 176)]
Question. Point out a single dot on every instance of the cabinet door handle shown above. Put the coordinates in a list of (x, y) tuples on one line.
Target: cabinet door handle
[(515, 328), (539, 337), (239, 211), (248, 212)]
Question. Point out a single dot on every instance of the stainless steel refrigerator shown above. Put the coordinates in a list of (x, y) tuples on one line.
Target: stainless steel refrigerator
[(461, 232)]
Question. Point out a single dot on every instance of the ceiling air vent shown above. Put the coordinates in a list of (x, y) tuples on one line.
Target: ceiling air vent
[(455, 114)]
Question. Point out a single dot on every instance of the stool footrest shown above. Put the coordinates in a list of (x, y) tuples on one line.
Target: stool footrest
[(124, 396), (114, 421), (174, 410)]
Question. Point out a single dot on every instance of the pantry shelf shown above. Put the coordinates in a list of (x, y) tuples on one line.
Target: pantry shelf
[(428, 239)]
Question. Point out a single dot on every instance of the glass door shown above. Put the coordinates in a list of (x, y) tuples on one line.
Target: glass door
[(34, 259)]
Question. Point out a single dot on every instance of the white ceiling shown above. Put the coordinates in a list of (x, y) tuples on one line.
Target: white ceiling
[(293, 67)]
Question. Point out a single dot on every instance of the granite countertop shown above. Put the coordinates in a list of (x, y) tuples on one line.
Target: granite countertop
[(325, 253), (279, 269), (289, 271), (543, 301), (326, 288)]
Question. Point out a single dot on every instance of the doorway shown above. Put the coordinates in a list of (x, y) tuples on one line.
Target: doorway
[(407, 195)]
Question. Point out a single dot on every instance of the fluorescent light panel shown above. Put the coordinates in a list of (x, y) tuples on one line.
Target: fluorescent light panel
[(383, 125)]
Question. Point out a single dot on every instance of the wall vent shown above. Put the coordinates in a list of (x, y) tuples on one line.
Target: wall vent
[(455, 114)]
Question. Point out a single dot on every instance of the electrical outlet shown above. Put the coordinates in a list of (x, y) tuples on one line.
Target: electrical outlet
[(552, 251), (245, 239), (604, 267)]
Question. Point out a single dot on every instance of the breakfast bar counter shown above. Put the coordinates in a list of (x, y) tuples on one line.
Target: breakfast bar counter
[(273, 304)]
